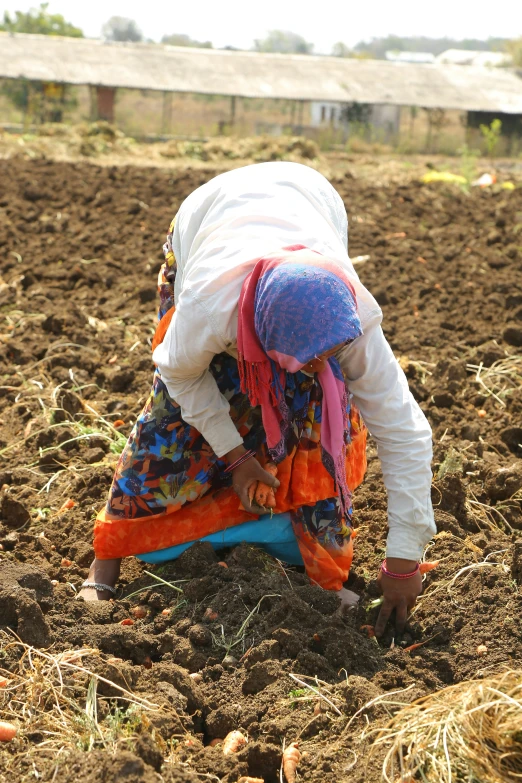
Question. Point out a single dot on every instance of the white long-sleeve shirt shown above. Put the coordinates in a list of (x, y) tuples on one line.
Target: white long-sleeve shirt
[(221, 230)]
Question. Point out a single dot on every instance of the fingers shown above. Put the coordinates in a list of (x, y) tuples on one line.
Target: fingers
[(401, 615), (384, 615), (245, 500), (411, 603), (267, 478), (249, 505), (249, 475), (399, 595)]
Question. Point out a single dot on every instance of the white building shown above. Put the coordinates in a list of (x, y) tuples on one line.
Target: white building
[(472, 57), (383, 117), (410, 57), (371, 90)]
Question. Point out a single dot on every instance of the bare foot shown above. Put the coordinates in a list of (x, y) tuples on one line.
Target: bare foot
[(102, 572), (349, 599)]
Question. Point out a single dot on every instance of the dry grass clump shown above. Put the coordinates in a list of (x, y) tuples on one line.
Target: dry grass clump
[(448, 585), (52, 699), (499, 380), (104, 141), (94, 139), (255, 148), (470, 732)]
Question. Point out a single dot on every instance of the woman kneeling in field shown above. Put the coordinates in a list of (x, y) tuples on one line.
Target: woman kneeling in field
[(268, 350)]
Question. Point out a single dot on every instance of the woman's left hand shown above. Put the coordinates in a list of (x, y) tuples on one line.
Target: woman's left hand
[(399, 594)]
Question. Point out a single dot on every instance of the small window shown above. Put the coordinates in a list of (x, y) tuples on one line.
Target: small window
[(323, 113)]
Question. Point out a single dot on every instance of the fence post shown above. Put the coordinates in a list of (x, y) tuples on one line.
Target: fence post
[(166, 116)]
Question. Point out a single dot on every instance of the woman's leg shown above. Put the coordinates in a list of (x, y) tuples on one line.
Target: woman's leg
[(101, 572), (162, 464), (325, 542), (166, 464)]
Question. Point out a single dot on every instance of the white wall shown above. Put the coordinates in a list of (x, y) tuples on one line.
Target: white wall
[(384, 117), (325, 113)]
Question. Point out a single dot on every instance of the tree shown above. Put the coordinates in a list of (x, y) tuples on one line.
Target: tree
[(283, 41), (180, 39), (42, 100), (377, 47), (120, 28), (341, 50), (39, 21), (357, 114), (514, 48)]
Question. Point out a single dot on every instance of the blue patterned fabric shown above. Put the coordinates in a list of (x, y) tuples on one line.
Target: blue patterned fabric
[(304, 311)]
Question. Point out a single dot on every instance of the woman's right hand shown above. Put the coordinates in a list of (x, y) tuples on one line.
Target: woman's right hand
[(250, 472)]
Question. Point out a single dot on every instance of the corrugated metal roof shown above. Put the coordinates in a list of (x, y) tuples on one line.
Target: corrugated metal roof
[(255, 75)]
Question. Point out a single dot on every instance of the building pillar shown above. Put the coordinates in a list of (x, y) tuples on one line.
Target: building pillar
[(397, 129), (300, 116), (292, 113), (232, 111), (29, 107), (93, 106), (105, 97)]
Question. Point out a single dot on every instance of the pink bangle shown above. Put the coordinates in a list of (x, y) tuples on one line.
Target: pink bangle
[(385, 571), (243, 458)]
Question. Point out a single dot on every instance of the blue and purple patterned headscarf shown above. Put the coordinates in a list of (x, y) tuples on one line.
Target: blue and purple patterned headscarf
[(294, 307)]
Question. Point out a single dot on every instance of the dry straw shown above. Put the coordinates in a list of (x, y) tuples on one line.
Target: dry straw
[(52, 698), (467, 733), (499, 380)]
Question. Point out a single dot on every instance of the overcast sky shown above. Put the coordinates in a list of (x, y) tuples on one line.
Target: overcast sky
[(239, 22)]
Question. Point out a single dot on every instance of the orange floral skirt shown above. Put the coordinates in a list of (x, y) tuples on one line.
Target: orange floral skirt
[(170, 488)]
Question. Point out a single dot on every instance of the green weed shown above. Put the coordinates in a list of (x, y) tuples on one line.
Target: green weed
[(491, 135)]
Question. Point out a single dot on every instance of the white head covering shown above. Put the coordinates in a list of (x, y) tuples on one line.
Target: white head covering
[(244, 214)]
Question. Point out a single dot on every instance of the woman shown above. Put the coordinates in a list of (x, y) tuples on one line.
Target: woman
[(268, 348)]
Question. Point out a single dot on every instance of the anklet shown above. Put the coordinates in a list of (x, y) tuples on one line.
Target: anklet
[(100, 586)]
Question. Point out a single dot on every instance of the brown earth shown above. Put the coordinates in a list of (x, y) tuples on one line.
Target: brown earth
[(80, 248)]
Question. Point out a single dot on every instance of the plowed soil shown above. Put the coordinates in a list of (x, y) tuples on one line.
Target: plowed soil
[(80, 247)]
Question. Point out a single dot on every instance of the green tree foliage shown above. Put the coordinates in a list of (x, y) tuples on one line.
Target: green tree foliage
[(42, 101), (340, 49), (120, 28), (377, 47), (180, 39), (283, 41), (514, 48), (39, 21), (357, 114)]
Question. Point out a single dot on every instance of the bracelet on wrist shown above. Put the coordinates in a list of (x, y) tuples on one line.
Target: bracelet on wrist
[(392, 575), (243, 458)]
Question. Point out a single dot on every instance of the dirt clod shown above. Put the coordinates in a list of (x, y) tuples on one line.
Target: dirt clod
[(13, 513), (260, 676)]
